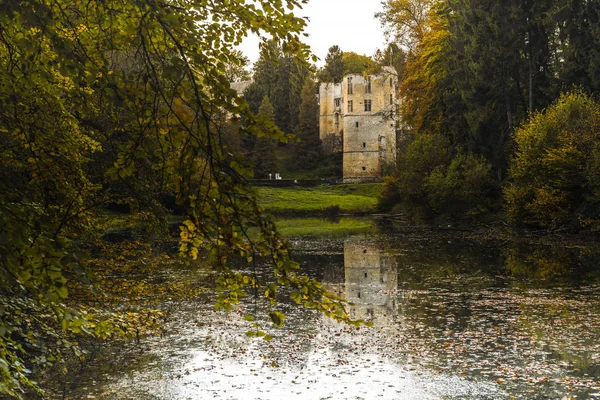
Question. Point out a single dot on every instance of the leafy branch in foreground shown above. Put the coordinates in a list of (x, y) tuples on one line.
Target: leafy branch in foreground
[(122, 102)]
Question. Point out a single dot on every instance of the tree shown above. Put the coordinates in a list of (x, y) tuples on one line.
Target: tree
[(554, 174), (237, 72), (334, 65), (578, 38), (264, 160), (281, 80), (425, 87), (308, 150), (500, 65), (355, 63), (393, 56), (152, 75), (405, 21), (434, 178)]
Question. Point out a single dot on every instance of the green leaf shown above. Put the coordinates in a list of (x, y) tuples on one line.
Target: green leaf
[(277, 318)]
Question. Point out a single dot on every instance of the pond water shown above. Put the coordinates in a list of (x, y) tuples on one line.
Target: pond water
[(452, 319)]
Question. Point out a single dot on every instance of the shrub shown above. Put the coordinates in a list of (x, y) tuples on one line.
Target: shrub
[(429, 179), (555, 172), (421, 157), (462, 186)]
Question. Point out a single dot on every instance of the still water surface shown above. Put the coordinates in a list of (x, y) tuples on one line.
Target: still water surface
[(453, 319)]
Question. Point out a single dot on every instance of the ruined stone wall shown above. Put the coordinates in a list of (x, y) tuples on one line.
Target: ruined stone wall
[(369, 125), (331, 116), (360, 118)]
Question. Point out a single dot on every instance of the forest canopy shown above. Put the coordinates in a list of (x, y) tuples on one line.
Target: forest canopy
[(476, 71)]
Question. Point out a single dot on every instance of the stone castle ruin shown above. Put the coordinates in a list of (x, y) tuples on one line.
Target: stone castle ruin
[(360, 118)]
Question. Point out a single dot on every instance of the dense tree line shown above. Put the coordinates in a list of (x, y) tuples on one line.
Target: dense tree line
[(279, 77), (288, 92), (478, 70)]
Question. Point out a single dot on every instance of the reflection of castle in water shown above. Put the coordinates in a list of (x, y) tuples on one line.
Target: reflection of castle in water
[(371, 280)]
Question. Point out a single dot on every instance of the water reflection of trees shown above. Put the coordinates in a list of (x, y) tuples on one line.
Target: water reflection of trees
[(507, 311), (543, 265)]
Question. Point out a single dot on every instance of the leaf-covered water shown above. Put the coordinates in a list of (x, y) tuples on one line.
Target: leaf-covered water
[(453, 319)]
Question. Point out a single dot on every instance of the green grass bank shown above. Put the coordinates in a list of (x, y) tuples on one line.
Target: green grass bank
[(314, 227), (351, 199)]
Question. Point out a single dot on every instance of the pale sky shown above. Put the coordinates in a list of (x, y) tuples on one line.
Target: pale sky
[(348, 23)]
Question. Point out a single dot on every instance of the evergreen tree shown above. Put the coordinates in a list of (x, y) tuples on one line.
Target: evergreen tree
[(579, 35), (485, 40), (280, 93), (254, 95), (265, 161), (264, 76), (279, 77), (334, 65), (308, 150), (500, 64), (300, 73), (393, 56)]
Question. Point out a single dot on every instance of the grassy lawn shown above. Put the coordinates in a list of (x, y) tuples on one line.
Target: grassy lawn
[(323, 228), (350, 198)]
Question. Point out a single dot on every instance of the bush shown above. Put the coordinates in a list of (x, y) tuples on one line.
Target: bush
[(420, 158), (555, 173), (429, 179), (461, 187)]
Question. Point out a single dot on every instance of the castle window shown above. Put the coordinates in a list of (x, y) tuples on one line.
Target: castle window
[(337, 102), (364, 145), (349, 85), (391, 82), (364, 168), (366, 274), (367, 105), (357, 124), (350, 108), (391, 99), (368, 88)]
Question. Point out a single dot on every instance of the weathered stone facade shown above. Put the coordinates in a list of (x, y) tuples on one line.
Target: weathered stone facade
[(359, 117)]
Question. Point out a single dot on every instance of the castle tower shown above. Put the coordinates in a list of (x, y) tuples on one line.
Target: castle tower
[(362, 112)]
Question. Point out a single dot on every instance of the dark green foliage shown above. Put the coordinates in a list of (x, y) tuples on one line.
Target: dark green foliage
[(479, 70), (430, 179), (579, 35), (112, 101), (280, 77), (334, 65), (265, 160), (463, 186), (308, 152), (254, 94), (484, 40)]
